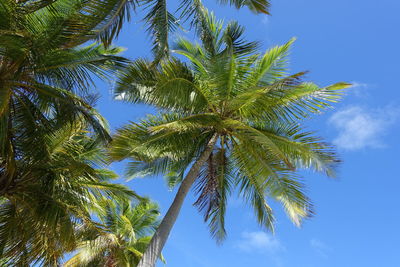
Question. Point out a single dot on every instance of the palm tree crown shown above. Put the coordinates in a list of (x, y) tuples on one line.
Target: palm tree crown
[(43, 65), (46, 73), (233, 114), (58, 183), (122, 236)]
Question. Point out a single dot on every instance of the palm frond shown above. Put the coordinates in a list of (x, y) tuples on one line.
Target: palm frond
[(257, 6), (143, 84), (214, 186), (160, 23), (272, 65)]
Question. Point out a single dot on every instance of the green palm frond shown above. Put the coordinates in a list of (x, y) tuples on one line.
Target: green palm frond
[(287, 99), (78, 64), (303, 148), (144, 84), (108, 17), (257, 6), (153, 154), (160, 23), (272, 65), (190, 8), (235, 43)]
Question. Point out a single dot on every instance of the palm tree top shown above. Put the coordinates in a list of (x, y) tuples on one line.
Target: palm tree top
[(121, 236), (224, 88), (59, 182)]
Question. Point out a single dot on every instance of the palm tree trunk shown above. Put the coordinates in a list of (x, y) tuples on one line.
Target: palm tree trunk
[(157, 243)]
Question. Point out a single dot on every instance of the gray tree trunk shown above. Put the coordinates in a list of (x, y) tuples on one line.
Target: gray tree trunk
[(157, 243)]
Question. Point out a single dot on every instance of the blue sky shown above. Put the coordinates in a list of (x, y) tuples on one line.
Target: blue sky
[(357, 215)]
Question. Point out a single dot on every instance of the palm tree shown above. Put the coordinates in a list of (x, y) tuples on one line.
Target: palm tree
[(58, 182), (50, 136), (230, 117), (46, 72), (121, 238)]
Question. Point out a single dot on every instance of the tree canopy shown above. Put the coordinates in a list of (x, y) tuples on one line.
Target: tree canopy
[(231, 119), (245, 106)]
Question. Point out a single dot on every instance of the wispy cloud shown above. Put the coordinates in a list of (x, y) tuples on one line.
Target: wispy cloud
[(121, 96), (265, 20), (360, 89), (259, 241), (320, 247), (361, 128)]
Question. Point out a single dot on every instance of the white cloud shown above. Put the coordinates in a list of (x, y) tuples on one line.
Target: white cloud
[(265, 20), (260, 242), (320, 247), (360, 89), (140, 90), (359, 85), (121, 96), (360, 128)]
